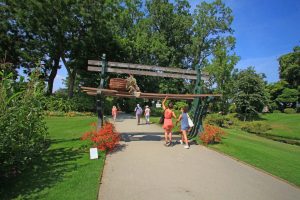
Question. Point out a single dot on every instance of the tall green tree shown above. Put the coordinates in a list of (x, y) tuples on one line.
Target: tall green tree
[(274, 90), (250, 95), (289, 67), (221, 70), (211, 22), (288, 97)]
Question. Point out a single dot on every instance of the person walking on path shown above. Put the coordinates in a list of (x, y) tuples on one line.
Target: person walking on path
[(138, 112), (184, 126), (147, 114), (168, 124), (114, 111)]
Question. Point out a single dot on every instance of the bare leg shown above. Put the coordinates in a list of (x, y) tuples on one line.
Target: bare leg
[(166, 136), (185, 137), (170, 135)]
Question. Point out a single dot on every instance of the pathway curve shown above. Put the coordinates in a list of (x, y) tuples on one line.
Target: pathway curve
[(144, 169)]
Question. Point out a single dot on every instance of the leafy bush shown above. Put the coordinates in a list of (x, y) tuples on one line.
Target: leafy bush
[(106, 139), (289, 111), (276, 111), (211, 134), (232, 108), (180, 104), (80, 102), (156, 112), (256, 127), (224, 121), (22, 128)]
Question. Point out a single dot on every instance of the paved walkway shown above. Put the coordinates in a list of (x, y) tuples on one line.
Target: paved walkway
[(144, 169)]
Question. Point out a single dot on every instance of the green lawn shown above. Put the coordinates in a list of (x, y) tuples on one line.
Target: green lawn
[(284, 125), (65, 172), (280, 159)]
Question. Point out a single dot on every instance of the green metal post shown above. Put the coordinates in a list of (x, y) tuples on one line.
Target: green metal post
[(99, 96)]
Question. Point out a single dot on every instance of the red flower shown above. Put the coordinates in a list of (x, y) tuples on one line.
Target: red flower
[(211, 134), (105, 139)]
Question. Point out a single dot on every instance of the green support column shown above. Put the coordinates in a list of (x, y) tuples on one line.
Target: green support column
[(99, 96), (199, 107)]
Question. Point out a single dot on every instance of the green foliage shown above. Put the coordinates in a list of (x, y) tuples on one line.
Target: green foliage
[(180, 104), (232, 108), (288, 97), (289, 67), (61, 103), (22, 128), (225, 121), (256, 127), (289, 111), (276, 111), (250, 95), (156, 112), (221, 71)]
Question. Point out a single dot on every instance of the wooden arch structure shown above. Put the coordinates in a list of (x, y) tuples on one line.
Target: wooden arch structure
[(200, 101)]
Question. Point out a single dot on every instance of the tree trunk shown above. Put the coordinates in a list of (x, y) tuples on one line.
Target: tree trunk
[(71, 83), (52, 76)]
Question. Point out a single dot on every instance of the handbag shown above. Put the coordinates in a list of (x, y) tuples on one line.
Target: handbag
[(162, 118), (190, 122)]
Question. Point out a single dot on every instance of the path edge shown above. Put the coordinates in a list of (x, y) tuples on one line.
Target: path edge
[(252, 166)]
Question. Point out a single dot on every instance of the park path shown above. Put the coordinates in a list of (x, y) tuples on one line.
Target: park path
[(144, 169)]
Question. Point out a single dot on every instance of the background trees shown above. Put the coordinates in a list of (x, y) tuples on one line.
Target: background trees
[(249, 93), (157, 32)]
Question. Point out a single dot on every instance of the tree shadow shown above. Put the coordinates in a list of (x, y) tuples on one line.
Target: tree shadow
[(43, 173), (142, 136)]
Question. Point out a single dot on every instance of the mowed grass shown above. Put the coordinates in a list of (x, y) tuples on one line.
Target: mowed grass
[(284, 125), (65, 171), (279, 159)]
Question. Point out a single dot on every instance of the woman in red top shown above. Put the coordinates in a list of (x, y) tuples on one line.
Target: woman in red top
[(168, 124), (114, 112)]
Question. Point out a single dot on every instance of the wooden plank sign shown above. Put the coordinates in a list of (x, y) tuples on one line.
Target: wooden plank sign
[(148, 70)]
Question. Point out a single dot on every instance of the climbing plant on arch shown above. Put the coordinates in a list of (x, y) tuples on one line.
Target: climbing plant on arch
[(200, 100)]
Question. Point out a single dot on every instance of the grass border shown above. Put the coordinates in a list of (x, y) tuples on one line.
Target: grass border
[(100, 176)]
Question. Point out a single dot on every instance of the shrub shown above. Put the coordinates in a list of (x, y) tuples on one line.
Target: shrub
[(232, 108), (22, 128), (106, 139), (289, 111), (276, 111), (180, 104), (224, 121), (211, 134), (156, 112), (256, 127), (80, 103)]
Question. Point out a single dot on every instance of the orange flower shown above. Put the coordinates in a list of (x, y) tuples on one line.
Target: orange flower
[(211, 134)]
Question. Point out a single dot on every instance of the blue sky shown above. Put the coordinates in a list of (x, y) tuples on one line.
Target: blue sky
[(264, 30)]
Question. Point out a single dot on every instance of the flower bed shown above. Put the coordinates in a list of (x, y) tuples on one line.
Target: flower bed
[(211, 134), (106, 139)]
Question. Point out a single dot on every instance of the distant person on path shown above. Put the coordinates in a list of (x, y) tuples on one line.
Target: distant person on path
[(147, 114), (168, 124), (184, 126), (138, 113), (114, 111)]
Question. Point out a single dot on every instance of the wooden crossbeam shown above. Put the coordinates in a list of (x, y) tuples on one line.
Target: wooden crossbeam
[(97, 89), (143, 67), (106, 92), (142, 96), (140, 72)]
